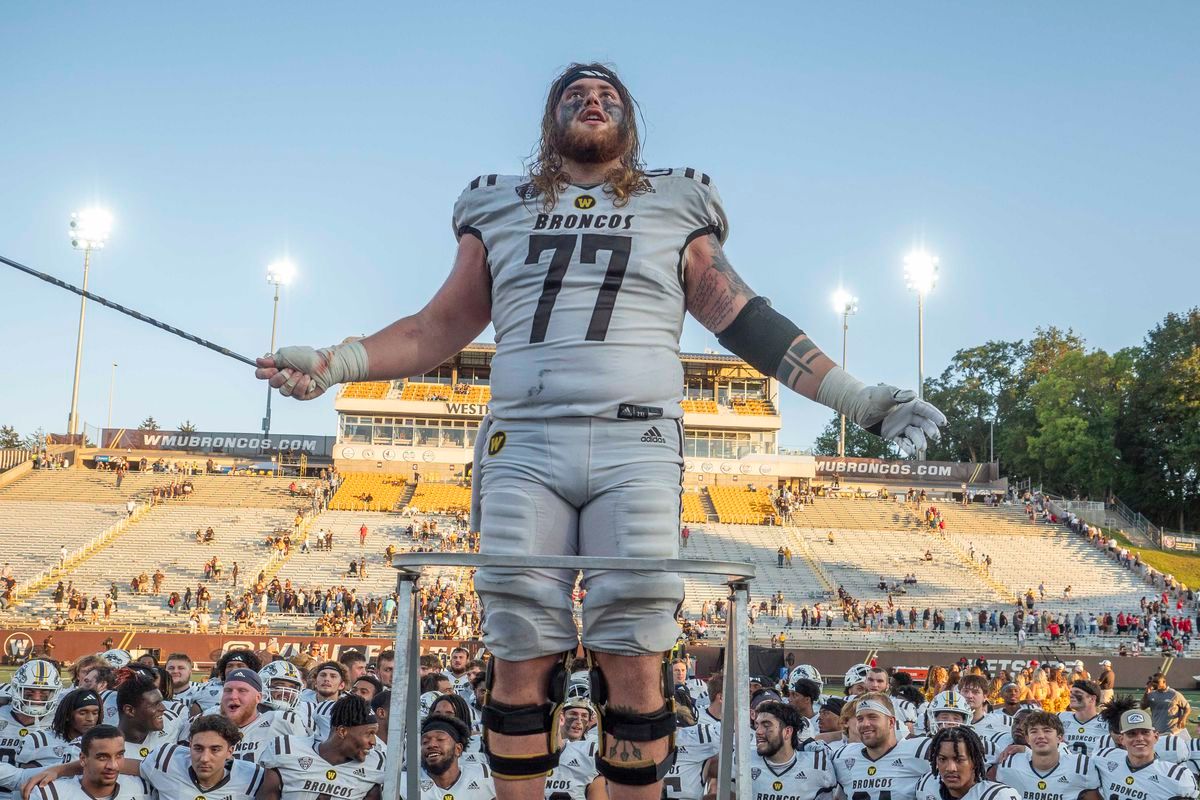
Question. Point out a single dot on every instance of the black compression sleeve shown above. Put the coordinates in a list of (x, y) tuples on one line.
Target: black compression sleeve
[(761, 335)]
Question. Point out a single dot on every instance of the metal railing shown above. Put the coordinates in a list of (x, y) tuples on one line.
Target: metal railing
[(1135, 520), (403, 728), (14, 456)]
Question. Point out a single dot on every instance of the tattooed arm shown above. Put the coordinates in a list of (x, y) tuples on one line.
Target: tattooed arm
[(746, 324), (716, 295)]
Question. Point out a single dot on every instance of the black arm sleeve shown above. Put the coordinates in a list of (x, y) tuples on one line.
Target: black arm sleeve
[(761, 335)]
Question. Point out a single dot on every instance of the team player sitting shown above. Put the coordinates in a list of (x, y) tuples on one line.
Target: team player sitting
[(1043, 771), (585, 267), (442, 740), (880, 766), (956, 756), (1140, 774)]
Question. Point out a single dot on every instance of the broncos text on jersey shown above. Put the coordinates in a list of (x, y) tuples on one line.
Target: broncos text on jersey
[(1073, 775), (892, 776), (1083, 737), (807, 776), (307, 776)]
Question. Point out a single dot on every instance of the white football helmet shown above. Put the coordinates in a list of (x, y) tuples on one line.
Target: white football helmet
[(805, 672), (579, 688), (943, 702), (282, 684), (36, 676), (856, 675), (427, 701), (116, 658)]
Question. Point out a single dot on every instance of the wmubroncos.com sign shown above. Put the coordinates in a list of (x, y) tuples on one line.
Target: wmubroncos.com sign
[(884, 471), (217, 442)]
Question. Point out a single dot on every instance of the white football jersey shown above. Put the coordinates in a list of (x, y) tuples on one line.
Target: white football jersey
[(153, 741), (1169, 748), (168, 770), (807, 776), (930, 788), (129, 787), (576, 769), (892, 776), (321, 718), (189, 694), (307, 776), (459, 684), (474, 783), (208, 693), (45, 748), (13, 734), (991, 724), (698, 691), (1158, 780), (1074, 774), (258, 735), (1083, 737), (695, 745), (706, 718), (588, 297)]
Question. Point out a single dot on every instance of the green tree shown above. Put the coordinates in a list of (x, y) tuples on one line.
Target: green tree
[(1160, 429), (148, 424), (187, 427), (9, 437), (972, 392), (35, 440), (859, 443)]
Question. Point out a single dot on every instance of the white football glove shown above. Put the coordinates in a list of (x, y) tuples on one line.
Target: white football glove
[(341, 363), (886, 411)]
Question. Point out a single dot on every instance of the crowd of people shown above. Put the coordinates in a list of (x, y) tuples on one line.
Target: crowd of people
[(955, 731)]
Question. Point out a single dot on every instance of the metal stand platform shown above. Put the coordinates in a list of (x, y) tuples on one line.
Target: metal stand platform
[(403, 728)]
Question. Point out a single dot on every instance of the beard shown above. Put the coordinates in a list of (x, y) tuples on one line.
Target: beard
[(438, 768), (585, 146)]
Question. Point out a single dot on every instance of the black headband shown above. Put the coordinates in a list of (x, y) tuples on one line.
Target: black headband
[(455, 727), (580, 74), (83, 699)]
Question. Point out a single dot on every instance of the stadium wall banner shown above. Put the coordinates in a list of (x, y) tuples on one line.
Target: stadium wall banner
[(231, 443), (69, 646), (887, 471)]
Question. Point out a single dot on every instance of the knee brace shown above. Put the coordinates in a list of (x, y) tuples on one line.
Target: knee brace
[(641, 727), (526, 720)]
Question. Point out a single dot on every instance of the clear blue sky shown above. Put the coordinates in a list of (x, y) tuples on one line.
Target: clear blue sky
[(1046, 152)]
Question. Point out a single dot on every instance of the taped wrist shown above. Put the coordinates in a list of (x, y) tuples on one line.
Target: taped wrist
[(761, 335), (347, 362)]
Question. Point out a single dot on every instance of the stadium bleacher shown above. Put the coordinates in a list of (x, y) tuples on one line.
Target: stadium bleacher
[(384, 490), (440, 498)]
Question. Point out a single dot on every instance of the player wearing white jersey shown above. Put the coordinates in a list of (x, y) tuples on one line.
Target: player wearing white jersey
[(205, 766), (442, 773), (1043, 772), (1141, 775), (97, 773), (259, 724), (958, 770), (78, 712), (142, 715), (780, 771), (1167, 747), (1083, 726), (694, 746), (179, 666), (345, 765), (974, 689), (575, 771), (35, 692), (696, 688), (879, 766), (585, 269)]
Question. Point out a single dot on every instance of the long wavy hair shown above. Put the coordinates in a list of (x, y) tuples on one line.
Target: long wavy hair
[(545, 166)]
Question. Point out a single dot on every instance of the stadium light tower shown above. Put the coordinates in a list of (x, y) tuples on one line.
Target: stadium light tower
[(89, 230), (921, 274), (845, 304), (279, 273)]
